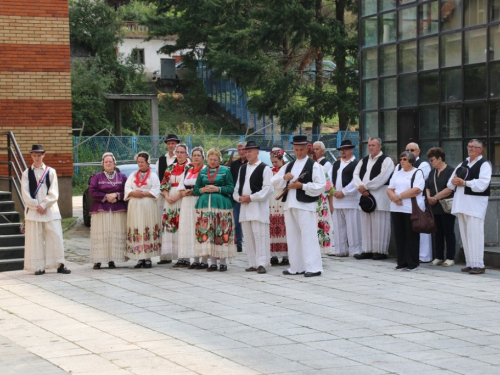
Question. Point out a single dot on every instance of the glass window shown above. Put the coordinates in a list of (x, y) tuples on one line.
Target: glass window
[(391, 150), (387, 27), (426, 146), (453, 152), (475, 82), (364, 149), (451, 121), (368, 7), (494, 47), (451, 85), (475, 46), (407, 90), (408, 57), (388, 91), (495, 119), (451, 15), (369, 63), (387, 60), (428, 18), (408, 23), (475, 120), (475, 12), (370, 94), (428, 89), (389, 125), (370, 126), (387, 5), (451, 50), (494, 146), (429, 122), (428, 54), (495, 80), (369, 31), (494, 10)]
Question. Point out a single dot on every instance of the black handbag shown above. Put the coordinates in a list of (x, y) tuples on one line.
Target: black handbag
[(421, 221)]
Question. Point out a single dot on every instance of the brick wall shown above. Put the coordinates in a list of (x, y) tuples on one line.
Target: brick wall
[(35, 79)]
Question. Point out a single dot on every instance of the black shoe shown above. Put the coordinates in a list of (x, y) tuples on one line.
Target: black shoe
[(97, 266), (222, 268), (63, 270), (39, 272), (286, 272), (250, 269), (140, 264), (212, 268), (466, 269), (477, 271), (202, 266), (363, 256), (164, 262), (275, 261), (239, 248), (181, 264), (148, 264), (111, 265), (378, 256), (400, 268), (312, 274), (285, 262), (193, 266), (261, 269)]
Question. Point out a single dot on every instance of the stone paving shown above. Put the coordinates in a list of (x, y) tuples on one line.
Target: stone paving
[(359, 317)]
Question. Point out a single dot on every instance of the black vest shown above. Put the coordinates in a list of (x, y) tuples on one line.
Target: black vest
[(33, 183), (256, 179), (347, 172), (301, 194), (376, 169), (473, 174), (323, 161), (162, 166)]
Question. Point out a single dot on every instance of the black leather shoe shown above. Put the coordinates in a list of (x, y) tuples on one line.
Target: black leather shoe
[(111, 265), (250, 269), (363, 256), (378, 256), (275, 261), (288, 273), (222, 268), (148, 264), (202, 266), (164, 262), (97, 266), (239, 248), (212, 268), (477, 271), (261, 269), (63, 270), (139, 264), (193, 266), (466, 269), (312, 274), (39, 272)]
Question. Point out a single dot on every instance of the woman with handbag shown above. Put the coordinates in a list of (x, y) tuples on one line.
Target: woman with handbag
[(407, 183), (440, 197)]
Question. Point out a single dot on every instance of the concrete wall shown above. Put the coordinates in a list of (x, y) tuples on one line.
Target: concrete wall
[(151, 57)]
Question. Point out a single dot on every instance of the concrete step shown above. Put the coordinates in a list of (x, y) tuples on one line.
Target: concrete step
[(5, 196), (12, 252), (9, 228), (11, 264), (7, 206), (492, 256), (9, 217), (11, 240)]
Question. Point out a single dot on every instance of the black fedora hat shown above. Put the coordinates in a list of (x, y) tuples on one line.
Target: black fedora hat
[(346, 144), (172, 137), (367, 204), (252, 145), (300, 140), (38, 149), (462, 172)]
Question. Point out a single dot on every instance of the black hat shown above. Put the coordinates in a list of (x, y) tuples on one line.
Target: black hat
[(38, 149), (251, 145), (367, 204), (462, 172), (172, 137), (346, 144), (300, 140)]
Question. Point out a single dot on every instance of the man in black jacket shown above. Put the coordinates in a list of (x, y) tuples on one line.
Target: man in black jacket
[(235, 168)]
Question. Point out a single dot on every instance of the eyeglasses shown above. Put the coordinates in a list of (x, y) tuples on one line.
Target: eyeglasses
[(411, 150), (473, 146), (403, 159), (180, 152)]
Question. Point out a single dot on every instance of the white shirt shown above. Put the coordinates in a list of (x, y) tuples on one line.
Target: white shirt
[(258, 208), (152, 185), (312, 189), (472, 205), (352, 195), (44, 198), (401, 182), (376, 186), (327, 167)]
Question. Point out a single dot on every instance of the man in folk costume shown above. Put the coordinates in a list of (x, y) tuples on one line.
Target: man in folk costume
[(305, 181), (44, 248), (472, 181), (371, 176), (319, 150), (252, 190), (161, 166), (346, 218), (235, 168)]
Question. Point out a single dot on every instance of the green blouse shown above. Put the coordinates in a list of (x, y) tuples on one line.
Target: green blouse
[(224, 180)]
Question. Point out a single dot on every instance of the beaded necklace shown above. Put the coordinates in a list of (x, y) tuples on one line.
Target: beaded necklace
[(211, 178), (110, 177), (141, 178)]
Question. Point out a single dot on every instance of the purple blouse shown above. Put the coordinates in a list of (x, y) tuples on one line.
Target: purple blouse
[(100, 186)]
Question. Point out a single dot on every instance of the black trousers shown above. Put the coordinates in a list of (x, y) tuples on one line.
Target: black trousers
[(407, 241), (445, 229)]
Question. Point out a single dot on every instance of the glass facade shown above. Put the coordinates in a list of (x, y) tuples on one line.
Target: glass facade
[(430, 73)]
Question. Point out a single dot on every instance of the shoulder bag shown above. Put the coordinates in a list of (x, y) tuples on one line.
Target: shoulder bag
[(421, 221), (446, 203)]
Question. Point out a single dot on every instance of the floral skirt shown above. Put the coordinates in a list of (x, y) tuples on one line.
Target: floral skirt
[(108, 237), (214, 233), (325, 226), (143, 230), (187, 222), (170, 227), (277, 227)]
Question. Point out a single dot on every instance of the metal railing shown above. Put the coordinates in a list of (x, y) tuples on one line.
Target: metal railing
[(15, 165)]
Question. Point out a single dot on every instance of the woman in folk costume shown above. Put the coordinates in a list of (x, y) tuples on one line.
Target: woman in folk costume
[(143, 231), (187, 218), (214, 228), (108, 233), (172, 206), (277, 227)]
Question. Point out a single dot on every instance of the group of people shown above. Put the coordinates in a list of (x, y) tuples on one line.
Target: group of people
[(194, 210)]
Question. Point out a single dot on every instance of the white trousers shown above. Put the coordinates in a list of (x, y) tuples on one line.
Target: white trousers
[(346, 226), (425, 251), (304, 253), (257, 242), (375, 231), (44, 246), (472, 234)]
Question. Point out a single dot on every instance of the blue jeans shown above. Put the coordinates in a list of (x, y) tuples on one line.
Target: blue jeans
[(237, 227)]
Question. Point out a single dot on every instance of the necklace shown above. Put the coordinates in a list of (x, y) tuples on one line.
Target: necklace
[(211, 178), (110, 177), (141, 178)]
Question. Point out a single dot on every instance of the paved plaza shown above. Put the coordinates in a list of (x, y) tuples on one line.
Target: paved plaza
[(359, 317)]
